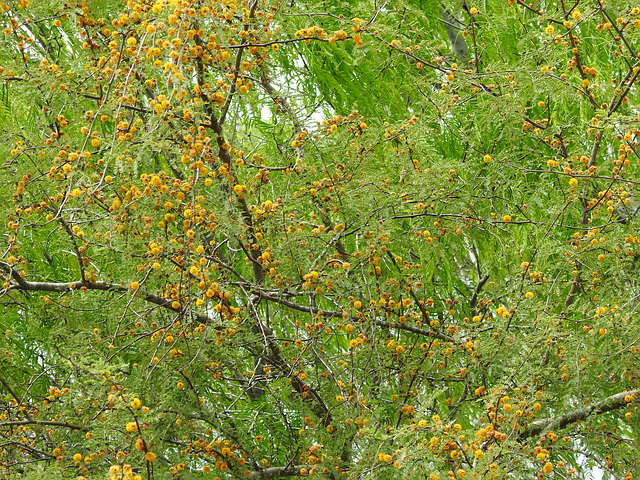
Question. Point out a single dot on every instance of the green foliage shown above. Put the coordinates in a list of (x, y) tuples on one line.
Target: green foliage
[(271, 239)]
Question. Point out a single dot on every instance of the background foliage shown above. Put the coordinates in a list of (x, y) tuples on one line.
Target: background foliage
[(345, 239)]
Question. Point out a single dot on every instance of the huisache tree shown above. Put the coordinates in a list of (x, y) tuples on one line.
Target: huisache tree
[(346, 239)]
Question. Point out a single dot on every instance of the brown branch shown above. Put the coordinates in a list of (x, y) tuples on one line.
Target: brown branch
[(236, 67), (30, 449), (335, 314), (225, 156), (15, 397), (274, 472), (42, 422), (126, 107), (62, 287), (613, 402), (618, 31), (72, 237)]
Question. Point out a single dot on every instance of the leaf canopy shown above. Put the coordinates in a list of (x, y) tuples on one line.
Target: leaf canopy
[(344, 239)]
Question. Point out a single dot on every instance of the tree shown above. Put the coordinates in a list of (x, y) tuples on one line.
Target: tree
[(350, 239)]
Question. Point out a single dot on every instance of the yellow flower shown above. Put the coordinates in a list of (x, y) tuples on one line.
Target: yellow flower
[(140, 444), (150, 457)]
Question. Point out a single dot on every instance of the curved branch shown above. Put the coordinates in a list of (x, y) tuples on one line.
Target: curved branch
[(42, 422), (61, 287), (335, 314), (274, 472), (542, 426)]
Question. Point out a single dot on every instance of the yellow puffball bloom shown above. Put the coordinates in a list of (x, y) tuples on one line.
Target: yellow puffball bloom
[(150, 457)]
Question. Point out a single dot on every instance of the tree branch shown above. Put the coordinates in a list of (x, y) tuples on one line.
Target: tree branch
[(274, 472), (61, 287), (42, 422), (542, 426)]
